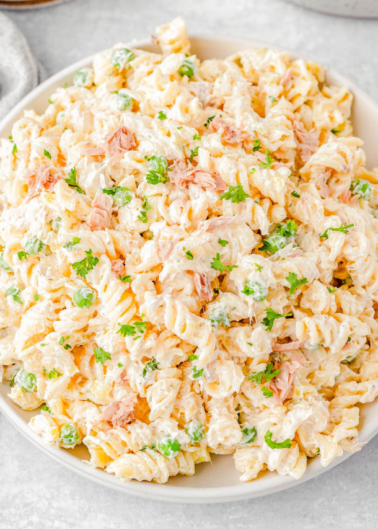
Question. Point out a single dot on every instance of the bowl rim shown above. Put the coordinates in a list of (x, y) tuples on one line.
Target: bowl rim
[(150, 490)]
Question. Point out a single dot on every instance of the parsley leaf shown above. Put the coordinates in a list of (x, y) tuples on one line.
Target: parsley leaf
[(235, 193), (196, 137), (14, 150), (101, 355), (154, 178), (86, 265), (161, 115), (331, 290), (14, 292), (267, 374), (149, 367), (192, 357), (217, 264), (71, 180), (126, 330), (143, 214), (335, 131), (196, 373), (273, 99), (22, 255), (258, 267), (267, 392), (295, 282), (342, 229), (193, 153), (256, 146), (189, 255), (125, 279), (47, 154), (141, 326), (268, 161), (272, 315), (64, 339), (272, 444), (70, 245), (295, 194), (223, 242), (208, 121)]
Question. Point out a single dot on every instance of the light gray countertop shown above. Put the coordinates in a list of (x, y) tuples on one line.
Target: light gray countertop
[(35, 491)]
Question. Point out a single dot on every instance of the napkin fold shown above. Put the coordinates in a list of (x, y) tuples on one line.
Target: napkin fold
[(19, 70)]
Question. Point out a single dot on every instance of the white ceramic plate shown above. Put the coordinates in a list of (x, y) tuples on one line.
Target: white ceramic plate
[(217, 481)]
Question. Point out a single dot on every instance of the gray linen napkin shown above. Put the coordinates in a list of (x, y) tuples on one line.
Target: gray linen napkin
[(19, 71)]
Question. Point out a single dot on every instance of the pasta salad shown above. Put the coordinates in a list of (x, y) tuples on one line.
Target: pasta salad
[(188, 263)]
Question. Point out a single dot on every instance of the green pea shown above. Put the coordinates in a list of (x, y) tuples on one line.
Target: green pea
[(60, 118), (187, 68), (274, 243), (196, 431), (249, 435), (169, 447), (362, 188), (158, 164), (121, 57), (34, 246), (124, 101), (122, 196), (256, 289), (83, 78), (4, 265), (69, 434), (27, 381), (84, 297), (56, 224)]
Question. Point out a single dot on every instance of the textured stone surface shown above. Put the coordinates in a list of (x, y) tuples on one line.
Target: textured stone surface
[(38, 493)]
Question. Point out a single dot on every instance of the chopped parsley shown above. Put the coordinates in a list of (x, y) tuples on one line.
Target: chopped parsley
[(143, 214), (14, 150), (335, 131), (141, 326), (256, 146), (49, 101), (295, 282), (14, 292), (258, 267), (125, 279), (126, 330), (70, 245), (266, 392), (46, 408), (278, 238), (235, 193), (71, 180), (216, 290), (119, 364), (331, 290), (64, 339), (268, 161), (223, 242), (272, 315), (273, 99), (47, 154), (101, 355), (342, 229), (149, 367), (82, 268), (208, 121), (196, 137), (196, 373), (193, 153), (216, 264), (189, 255), (266, 375), (158, 167), (272, 444), (192, 357), (22, 255), (161, 115), (295, 194)]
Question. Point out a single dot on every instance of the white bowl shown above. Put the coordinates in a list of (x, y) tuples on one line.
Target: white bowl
[(347, 8), (217, 481)]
